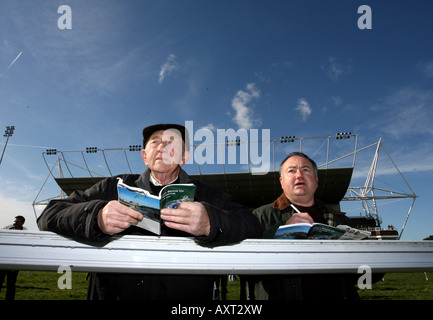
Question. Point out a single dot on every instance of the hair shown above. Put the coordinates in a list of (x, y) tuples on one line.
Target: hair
[(300, 154), (21, 218)]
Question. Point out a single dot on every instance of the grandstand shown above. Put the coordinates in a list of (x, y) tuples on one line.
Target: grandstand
[(336, 157)]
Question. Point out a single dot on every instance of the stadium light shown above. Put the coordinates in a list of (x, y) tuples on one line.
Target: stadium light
[(287, 139), (135, 148), (236, 142), (343, 135), (91, 149), (51, 151), (8, 133)]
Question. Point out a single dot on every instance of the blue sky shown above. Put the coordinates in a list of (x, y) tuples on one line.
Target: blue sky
[(299, 68)]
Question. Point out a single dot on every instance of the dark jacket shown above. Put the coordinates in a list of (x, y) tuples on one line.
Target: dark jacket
[(275, 214), (76, 217), (302, 287)]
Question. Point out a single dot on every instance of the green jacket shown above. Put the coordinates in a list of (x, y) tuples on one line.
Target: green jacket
[(275, 214), (299, 286)]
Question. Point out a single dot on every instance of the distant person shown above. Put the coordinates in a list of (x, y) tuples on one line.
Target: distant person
[(11, 275), (247, 287), (299, 181), (222, 279), (95, 215), (18, 224)]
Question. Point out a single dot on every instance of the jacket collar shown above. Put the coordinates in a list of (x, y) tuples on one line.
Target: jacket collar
[(282, 203)]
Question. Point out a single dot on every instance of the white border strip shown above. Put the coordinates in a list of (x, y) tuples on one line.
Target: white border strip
[(37, 250)]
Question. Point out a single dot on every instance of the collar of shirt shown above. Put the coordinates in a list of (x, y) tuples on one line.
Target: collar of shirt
[(156, 183)]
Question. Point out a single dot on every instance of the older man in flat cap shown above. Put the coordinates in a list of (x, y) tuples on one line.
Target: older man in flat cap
[(96, 215)]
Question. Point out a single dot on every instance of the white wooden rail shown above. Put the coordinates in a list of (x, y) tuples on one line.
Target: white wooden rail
[(36, 250)]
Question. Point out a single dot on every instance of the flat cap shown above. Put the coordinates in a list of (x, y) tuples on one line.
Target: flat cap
[(148, 131)]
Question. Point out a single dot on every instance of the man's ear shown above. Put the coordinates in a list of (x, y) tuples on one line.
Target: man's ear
[(185, 158), (144, 156)]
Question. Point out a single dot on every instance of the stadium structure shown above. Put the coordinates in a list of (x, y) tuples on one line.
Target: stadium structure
[(347, 174)]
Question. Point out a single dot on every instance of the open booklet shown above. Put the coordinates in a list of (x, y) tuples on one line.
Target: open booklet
[(319, 231), (171, 196)]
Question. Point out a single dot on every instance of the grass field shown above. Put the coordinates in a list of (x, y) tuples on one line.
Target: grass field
[(42, 285)]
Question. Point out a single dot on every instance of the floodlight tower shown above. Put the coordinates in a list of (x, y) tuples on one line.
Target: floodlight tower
[(8, 133)]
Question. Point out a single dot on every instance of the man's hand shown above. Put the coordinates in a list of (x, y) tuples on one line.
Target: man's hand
[(302, 217), (190, 217), (116, 217)]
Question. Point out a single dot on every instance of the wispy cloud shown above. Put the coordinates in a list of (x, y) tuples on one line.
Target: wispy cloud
[(244, 115), (337, 100), (168, 67), (406, 112), (334, 69), (17, 57), (12, 63), (209, 126), (427, 69), (87, 62), (404, 119), (304, 108)]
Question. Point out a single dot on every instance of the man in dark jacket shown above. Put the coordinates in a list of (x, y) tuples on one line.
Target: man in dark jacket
[(299, 181), (95, 215)]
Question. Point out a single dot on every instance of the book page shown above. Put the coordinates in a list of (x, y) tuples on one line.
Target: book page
[(293, 231), (173, 195), (143, 202)]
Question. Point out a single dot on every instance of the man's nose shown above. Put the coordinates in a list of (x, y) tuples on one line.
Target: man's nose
[(299, 173), (163, 144), (165, 147)]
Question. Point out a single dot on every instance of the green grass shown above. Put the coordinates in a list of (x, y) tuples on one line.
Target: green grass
[(401, 286), (395, 286), (42, 285)]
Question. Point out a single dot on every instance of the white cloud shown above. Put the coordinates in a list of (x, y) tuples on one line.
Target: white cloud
[(337, 100), (168, 67), (209, 126), (427, 69), (406, 112), (15, 60), (12, 207), (335, 69), (304, 108), (244, 114), (403, 119)]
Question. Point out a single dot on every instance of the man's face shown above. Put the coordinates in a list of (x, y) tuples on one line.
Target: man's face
[(298, 180), (164, 151), (18, 223)]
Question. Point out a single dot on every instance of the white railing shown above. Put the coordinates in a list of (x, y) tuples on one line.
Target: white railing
[(35, 250)]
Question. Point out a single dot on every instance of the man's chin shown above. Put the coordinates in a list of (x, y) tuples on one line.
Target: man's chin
[(300, 190)]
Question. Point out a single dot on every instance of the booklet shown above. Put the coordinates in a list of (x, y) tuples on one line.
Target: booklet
[(171, 196), (319, 231)]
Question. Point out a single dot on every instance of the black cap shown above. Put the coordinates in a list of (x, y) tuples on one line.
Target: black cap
[(148, 131)]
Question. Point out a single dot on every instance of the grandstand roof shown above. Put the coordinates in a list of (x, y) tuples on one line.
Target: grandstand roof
[(250, 190)]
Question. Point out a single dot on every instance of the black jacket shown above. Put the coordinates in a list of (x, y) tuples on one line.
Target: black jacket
[(76, 217)]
